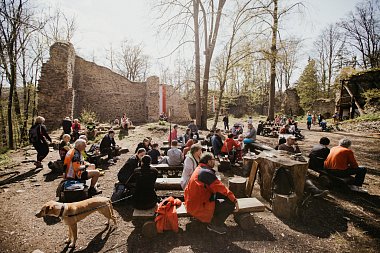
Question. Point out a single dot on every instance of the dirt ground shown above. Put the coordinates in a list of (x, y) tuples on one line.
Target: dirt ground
[(342, 222)]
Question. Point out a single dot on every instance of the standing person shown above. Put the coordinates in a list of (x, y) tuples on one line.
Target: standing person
[(76, 128), (207, 199), (225, 122), (320, 118), (314, 118), (341, 162), (108, 145), (190, 164), (308, 121), (38, 136), (66, 125), (145, 196), (174, 134)]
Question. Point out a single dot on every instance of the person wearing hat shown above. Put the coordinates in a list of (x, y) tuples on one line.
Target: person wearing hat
[(290, 145), (145, 196), (108, 145)]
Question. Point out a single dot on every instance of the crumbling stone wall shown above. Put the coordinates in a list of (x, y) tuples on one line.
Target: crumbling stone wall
[(180, 108), (69, 84), (291, 103)]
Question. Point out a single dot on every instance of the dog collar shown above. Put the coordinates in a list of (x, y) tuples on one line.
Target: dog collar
[(62, 209)]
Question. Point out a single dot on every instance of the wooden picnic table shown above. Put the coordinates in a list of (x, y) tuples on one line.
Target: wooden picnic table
[(269, 161)]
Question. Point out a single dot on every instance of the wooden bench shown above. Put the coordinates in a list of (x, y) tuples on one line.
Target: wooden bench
[(168, 184), (242, 217), (172, 171), (260, 146), (325, 178)]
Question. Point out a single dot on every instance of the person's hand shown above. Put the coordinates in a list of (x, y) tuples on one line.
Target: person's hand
[(236, 206)]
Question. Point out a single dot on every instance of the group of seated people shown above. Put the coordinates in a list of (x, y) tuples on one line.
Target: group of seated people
[(73, 129)]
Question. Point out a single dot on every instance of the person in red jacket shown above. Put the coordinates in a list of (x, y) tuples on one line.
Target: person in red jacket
[(230, 147), (207, 199), (342, 163)]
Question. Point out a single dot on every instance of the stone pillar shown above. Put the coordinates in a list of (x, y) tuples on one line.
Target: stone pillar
[(55, 87), (152, 99)]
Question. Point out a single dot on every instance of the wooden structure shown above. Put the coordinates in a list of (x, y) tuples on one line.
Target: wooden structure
[(351, 102), (269, 161)]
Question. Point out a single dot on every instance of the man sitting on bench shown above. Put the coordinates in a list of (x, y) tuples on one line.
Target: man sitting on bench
[(77, 168), (108, 145), (342, 163), (249, 137), (319, 154), (207, 199), (174, 157)]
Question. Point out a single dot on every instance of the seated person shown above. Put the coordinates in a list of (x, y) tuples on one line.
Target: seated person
[(144, 144), (64, 146), (229, 148), (217, 142), (341, 162), (76, 128), (124, 122), (174, 157), (260, 127), (108, 145), (90, 129), (323, 125), (77, 168), (281, 140), (186, 137), (154, 153), (128, 168), (209, 136), (249, 137), (190, 164), (236, 129), (284, 129), (207, 199), (187, 147), (144, 196), (193, 130), (116, 121), (173, 134), (290, 145), (319, 154)]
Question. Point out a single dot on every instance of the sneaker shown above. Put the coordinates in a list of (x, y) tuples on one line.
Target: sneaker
[(219, 229), (356, 188), (92, 191), (116, 158), (111, 161)]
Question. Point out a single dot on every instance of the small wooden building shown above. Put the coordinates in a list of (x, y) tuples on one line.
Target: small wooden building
[(351, 102)]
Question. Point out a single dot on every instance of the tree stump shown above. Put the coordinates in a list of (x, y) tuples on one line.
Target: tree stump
[(246, 221), (237, 186), (247, 165), (284, 206), (149, 229), (269, 161)]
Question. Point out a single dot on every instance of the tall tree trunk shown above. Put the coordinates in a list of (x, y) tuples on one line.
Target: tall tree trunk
[(198, 109), (272, 89), (3, 130), (12, 85)]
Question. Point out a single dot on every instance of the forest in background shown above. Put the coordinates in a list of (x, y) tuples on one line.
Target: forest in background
[(239, 49)]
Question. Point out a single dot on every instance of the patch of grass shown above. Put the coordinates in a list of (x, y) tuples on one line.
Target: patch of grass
[(4, 160), (366, 117)]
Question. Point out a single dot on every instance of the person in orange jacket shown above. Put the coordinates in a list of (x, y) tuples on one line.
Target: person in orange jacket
[(207, 199)]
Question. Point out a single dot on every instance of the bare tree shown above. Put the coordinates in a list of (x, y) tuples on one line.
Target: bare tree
[(60, 27), (362, 29)]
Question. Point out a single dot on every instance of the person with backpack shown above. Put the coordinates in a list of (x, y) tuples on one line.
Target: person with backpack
[(38, 136)]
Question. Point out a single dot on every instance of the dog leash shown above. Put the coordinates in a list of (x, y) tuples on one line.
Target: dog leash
[(92, 209)]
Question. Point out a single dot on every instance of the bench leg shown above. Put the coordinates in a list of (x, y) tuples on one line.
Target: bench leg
[(246, 221)]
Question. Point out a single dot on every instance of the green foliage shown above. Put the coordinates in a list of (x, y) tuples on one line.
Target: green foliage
[(366, 117), (4, 159), (308, 88), (86, 115), (372, 99)]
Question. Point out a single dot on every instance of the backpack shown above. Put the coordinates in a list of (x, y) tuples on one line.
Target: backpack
[(282, 182), (33, 134)]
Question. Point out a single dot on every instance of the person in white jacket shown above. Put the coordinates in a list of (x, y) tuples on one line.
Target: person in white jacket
[(190, 163)]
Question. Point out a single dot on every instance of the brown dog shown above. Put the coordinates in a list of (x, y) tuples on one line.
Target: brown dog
[(71, 213)]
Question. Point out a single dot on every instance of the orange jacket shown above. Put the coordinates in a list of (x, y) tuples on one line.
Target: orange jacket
[(200, 191), (72, 162), (340, 158), (228, 144), (167, 218)]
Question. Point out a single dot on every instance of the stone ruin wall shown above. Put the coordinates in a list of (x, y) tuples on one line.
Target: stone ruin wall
[(180, 107), (69, 84)]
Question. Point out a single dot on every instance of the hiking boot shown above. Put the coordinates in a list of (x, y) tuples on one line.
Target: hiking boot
[(38, 165), (356, 188), (92, 191), (319, 193), (219, 229)]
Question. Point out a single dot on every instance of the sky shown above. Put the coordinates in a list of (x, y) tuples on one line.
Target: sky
[(102, 23)]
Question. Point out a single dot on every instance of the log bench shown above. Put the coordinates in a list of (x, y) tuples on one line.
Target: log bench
[(168, 183), (170, 171), (242, 217)]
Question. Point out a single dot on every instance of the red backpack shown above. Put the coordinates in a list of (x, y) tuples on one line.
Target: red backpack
[(167, 218)]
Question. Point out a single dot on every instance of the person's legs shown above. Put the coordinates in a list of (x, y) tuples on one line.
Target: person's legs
[(223, 208), (359, 173)]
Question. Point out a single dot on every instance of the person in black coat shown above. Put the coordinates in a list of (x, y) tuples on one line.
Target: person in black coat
[(129, 167), (145, 144), (40, 142), (145, 177), (319, 154), (66, 125), (108, 144)]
